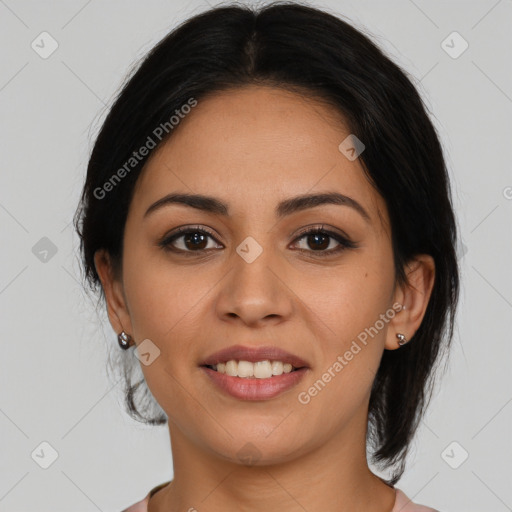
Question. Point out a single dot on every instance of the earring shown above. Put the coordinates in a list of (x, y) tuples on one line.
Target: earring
[(402, 340), (124, 340)]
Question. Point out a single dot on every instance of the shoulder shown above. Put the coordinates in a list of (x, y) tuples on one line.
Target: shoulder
[(142, 505), (404, 504)]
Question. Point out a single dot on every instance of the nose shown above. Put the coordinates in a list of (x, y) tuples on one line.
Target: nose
[(255, 293)]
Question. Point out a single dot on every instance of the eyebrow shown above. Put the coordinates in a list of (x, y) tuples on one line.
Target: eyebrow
[(284, 208)]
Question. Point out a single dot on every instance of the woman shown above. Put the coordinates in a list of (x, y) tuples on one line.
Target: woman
[(268, 213)]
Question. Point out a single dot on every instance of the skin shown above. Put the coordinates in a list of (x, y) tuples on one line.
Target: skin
[(251, 148)]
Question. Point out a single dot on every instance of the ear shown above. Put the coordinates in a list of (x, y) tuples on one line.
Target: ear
[(414, 296), (117, 309)]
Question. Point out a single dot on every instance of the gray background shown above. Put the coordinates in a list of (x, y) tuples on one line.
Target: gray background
[(54, 385)]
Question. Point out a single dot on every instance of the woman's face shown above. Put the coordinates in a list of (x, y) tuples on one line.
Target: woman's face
[(258, 280)]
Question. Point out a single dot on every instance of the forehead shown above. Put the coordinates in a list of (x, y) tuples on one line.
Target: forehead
[(254, 146)]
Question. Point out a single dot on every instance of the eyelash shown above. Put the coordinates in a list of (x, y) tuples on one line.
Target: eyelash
[(344, 242)]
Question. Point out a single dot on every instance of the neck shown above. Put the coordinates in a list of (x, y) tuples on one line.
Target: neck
[(333, 476)]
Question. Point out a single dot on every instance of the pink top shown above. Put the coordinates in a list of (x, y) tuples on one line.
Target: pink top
[(402, 503)]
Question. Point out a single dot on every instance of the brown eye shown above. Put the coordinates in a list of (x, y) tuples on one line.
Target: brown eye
[(189, 240), (319, 240), (194, 240)]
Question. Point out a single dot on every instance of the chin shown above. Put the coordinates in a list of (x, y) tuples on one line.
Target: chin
[(260, 450)]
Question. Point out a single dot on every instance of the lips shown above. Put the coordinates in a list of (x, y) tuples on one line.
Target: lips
[(255, 388), (253, 355)]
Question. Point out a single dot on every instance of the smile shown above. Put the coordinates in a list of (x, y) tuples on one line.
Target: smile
[(259, 369)]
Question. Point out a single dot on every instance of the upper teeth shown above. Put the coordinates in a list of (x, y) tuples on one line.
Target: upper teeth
[(259, 370)]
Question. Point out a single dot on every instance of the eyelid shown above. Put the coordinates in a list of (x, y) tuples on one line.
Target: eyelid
[(324, 228), (181, 230)]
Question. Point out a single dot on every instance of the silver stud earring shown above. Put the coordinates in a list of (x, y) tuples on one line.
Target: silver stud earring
[(124, 340), (402, 340)]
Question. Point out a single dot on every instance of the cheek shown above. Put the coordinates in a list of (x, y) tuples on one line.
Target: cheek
[(166, 306), (345, 300), (345, 313), (160, 294)]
